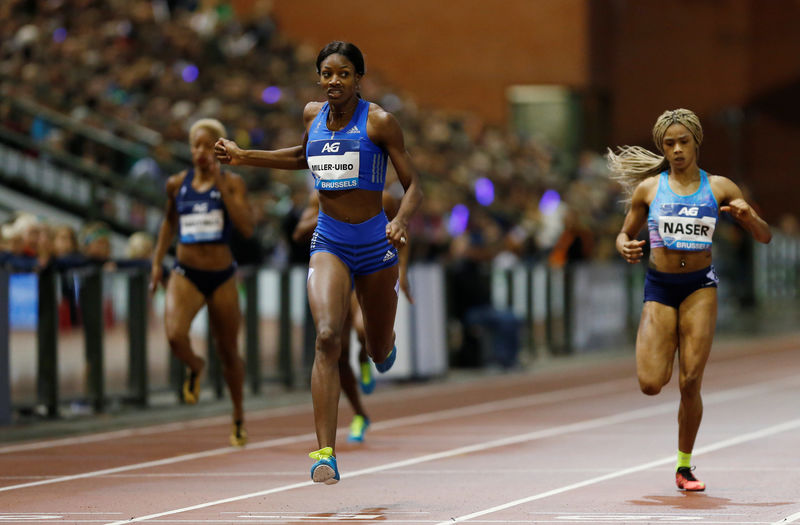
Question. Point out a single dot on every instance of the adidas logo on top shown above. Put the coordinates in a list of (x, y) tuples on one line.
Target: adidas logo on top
[(389, 255), (354, 129)]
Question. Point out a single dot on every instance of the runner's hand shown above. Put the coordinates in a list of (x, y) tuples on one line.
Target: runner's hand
[(227, 152)]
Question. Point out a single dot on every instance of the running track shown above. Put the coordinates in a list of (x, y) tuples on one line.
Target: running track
[(564, 443)]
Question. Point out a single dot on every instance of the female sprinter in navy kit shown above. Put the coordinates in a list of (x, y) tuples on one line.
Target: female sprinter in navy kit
[(203, 203), (346, 145), (680, 203)]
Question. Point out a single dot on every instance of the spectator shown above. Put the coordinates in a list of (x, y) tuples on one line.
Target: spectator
[(29, 228), (575, 243), (140, 246), (22, 240), (67, 256), (6, 230), (96, 241), (65, 241)]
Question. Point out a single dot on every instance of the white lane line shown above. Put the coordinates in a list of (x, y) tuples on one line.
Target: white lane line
[(116, 434), (530, 436), (789, 519), (751, 436), (381, 518), (152, 429), (160, 462), (49, 517), (493, 406), (542, 398), (256, 415), (694, 512), (640, 518), (545, 397), (423, 391)]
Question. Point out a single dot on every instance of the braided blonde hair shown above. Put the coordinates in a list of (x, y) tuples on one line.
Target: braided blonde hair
[(632, 164)]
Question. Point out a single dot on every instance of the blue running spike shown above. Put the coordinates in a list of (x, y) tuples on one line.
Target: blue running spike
[(357, 429), (325, 469), (388, 362), (367, 380)]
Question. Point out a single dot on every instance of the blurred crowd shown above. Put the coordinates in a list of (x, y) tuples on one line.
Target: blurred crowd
[(31, 243), (144, 70), (129, 77)]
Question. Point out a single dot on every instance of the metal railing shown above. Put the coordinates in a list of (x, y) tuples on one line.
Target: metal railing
[(92, 301), (556, 311)]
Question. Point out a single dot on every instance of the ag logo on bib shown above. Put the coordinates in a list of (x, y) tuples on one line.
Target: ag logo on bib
[(687, 228), (334, 163)]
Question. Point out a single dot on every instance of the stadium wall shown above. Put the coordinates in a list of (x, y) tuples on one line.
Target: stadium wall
[(453, 55), (721, 58)]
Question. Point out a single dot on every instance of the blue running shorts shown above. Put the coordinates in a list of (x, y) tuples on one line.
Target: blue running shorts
[(362, 247)]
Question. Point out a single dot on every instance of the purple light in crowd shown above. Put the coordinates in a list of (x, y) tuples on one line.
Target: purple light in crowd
[(271, 95), (484, 191), (458, 220), (59, 35), (190, 73), (549, 202)]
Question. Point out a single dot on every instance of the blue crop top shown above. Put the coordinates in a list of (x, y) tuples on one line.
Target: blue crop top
[(682, 222), (202, 217), (345, 159)]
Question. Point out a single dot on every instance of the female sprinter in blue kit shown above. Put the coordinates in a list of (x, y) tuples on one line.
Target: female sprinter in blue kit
[(680, 204), (347, 145)]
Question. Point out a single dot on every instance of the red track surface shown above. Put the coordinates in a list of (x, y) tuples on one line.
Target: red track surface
[(563, 444)]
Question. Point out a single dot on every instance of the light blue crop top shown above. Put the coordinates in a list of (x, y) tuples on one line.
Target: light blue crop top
[(345, 159), (682, 222)]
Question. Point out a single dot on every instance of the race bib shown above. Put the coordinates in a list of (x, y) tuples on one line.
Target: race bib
[(198, 227), (334, 163), (686, 227)]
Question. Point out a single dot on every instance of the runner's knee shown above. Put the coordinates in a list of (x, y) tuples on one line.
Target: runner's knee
[(329, 340), (649, 389), (690, 384), (177, 338)]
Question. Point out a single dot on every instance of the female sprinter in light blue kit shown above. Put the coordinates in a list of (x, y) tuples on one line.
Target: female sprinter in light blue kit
[(347, 145), (680, 203)]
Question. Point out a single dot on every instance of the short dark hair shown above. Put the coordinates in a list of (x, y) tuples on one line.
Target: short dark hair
[(347, 50)]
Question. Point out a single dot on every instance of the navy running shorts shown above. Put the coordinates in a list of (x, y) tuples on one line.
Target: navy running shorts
[(206, 281), (672, 288)]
